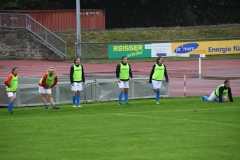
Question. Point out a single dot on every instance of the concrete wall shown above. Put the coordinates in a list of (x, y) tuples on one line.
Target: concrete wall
[(23, 45)]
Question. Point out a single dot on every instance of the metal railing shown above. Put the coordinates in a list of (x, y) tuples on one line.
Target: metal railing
[(95, 90), (15, 21)]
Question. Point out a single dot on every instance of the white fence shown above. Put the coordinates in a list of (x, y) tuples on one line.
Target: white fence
[(95, 90)]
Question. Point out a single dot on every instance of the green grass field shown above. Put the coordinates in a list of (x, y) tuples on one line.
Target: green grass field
[(176, 129)]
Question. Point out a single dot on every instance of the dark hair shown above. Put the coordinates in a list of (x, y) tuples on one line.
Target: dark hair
[(74, 61), (158, 59), (124, 57), (226, 81), (13, 69)]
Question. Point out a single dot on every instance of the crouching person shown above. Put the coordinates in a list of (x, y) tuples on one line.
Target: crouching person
[(48, 81), (219, 94)]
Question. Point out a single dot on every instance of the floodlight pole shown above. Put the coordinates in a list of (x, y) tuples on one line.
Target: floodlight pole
[(78, 44)]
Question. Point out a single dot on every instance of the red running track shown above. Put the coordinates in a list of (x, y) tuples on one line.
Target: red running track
[(211, 69)]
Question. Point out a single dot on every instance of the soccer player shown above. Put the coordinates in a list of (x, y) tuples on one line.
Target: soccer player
[(77, 79), (159, 69), (48, 81), (11, 83), (219, 94), (123, 73)]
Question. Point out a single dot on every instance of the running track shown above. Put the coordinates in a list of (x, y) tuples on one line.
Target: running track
[(213, 73)]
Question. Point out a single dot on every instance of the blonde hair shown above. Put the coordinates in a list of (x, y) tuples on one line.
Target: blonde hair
[(51, 70)]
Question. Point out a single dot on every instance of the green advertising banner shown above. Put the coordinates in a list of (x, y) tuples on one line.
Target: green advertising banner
[(129, 50)]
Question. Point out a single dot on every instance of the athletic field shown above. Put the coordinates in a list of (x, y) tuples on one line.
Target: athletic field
[(176, 129)]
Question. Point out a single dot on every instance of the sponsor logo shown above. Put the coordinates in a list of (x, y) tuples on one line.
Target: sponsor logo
[(223, 50), (189, 47)]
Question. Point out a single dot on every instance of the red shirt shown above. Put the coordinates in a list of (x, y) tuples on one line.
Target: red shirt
[(8, 79)]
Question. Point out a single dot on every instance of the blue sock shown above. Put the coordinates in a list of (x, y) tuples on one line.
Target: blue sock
[(78, 99), (157, 95), (205, 98), (152, 86), (126, 96), (10, 107), (120, 97), (73, 99), (53, 105)]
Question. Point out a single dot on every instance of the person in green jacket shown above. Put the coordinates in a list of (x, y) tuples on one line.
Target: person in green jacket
[(11, 83), (220, 94)]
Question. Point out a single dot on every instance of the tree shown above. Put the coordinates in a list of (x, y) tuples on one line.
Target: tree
[(8, 4), (144, 13)]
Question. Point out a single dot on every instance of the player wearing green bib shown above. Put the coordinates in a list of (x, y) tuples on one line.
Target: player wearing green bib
[(123, 74), (77, 80), (48, 81), (156, 76), (11, 83), (220, 94)]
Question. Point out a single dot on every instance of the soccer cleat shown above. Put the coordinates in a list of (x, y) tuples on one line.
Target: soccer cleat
[(202, 97), (127, 103), (11, 112), (120, 104), (46, 108), (79, 106), (74, 106), (157, 102), (55, 107)]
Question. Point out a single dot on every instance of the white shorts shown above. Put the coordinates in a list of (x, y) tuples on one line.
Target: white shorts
[(77, 86), (213, 96), (156, 84), (11, 94), (43, 90), (123, 84)]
